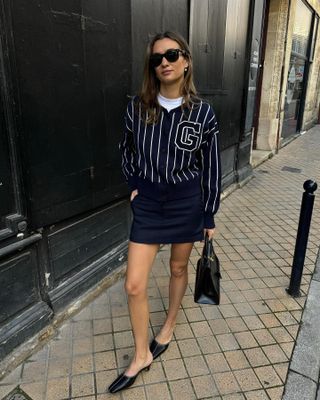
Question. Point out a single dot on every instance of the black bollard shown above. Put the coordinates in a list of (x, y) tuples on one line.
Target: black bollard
[(302, 237)]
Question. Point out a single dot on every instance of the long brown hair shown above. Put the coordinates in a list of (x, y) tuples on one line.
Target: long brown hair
[(150, 108)]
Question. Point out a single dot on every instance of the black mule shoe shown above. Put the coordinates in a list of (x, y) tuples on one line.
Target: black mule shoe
[(157, 348), (123, 381)]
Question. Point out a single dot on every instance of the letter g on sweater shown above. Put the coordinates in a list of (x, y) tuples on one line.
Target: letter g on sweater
[(188, 135)]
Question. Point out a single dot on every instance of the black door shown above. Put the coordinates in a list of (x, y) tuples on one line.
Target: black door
[(10, 186), (218, 37)]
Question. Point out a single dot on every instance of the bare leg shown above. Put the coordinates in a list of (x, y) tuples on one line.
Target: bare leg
[(140, 260), (180, 253)]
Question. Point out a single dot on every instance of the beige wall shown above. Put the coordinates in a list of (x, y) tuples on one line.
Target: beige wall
[(278, 50)]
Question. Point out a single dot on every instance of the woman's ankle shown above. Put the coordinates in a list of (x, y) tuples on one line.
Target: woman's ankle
[(142, 357), (165, 334)]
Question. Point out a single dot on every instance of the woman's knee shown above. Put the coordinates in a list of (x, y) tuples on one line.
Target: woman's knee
[(134, 288), (178, 268)]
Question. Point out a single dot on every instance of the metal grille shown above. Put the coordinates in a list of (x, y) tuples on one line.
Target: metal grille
[(17, 394)]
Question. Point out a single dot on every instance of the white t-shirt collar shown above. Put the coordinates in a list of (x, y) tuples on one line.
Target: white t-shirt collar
[(169, 104)]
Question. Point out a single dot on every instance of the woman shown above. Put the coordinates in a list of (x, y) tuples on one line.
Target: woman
[(171, 162)]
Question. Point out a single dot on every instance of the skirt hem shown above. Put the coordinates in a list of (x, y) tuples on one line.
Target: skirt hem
[(196, 238)]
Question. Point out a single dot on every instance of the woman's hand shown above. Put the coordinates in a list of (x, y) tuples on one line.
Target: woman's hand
[(209, 232), (134, 193)]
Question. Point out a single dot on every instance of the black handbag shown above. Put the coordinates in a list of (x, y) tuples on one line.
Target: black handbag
[(207, 285)]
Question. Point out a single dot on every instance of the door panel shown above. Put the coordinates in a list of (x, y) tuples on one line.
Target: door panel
[(218, 36), (73, 71), (10, 184), (7, 203)]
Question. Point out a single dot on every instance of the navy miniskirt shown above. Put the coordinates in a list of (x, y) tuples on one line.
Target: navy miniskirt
[(169, 221)]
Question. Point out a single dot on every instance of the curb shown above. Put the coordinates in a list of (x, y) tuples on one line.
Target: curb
[(303, 373)]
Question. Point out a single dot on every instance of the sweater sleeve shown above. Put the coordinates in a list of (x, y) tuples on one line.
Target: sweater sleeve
[(211, 169), (127, 148)]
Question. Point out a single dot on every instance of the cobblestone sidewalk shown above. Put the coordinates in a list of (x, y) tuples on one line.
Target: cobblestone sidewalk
[(238, 350)]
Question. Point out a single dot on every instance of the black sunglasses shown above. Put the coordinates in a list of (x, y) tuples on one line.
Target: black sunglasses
[(171, 55)]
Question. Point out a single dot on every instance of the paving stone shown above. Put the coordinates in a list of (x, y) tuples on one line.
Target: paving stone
[(263, 337), (174, 369), (256, 357), (236, 359), (201, 329), (158, 391), (226, 382), (82, 364), (194, 314), (280, 334), (274, 353), (182, 389), (157, 318), (236, 396), (247, 379), (246, 340), (208, 345), (269, 320), (217, 362), (134, 393), (58, 388), (82, 385), (227, 341), (188, 347), (275, 393), (282, 370), (58, 367), (124, 356), (123, 339), (253, 322), (121, 324), (104, 379), (204, 386), (257, 395), (34, 371), (267, 376), (155, 374), (196, 366), (102, 326), (219, 326), (183, 331), (105, 360), (82, 346), (35, 390), (60, 348), (103, 342), (82, 329)]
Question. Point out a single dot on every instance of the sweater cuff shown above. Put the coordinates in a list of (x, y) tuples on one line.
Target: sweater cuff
[(132, 182), (209, 221)]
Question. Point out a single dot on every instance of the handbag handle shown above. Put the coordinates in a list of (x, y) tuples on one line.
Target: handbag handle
[(208, 247)]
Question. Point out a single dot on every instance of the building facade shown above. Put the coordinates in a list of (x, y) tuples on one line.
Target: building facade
[(290, 78), (66, 71)]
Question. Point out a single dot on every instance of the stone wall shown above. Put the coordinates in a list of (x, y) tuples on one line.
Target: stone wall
[(275, 47)]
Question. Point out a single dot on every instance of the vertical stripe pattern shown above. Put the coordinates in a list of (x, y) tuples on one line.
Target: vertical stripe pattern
[(182, 145)]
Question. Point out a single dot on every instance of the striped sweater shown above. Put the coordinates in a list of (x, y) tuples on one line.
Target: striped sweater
[(174, 155)]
